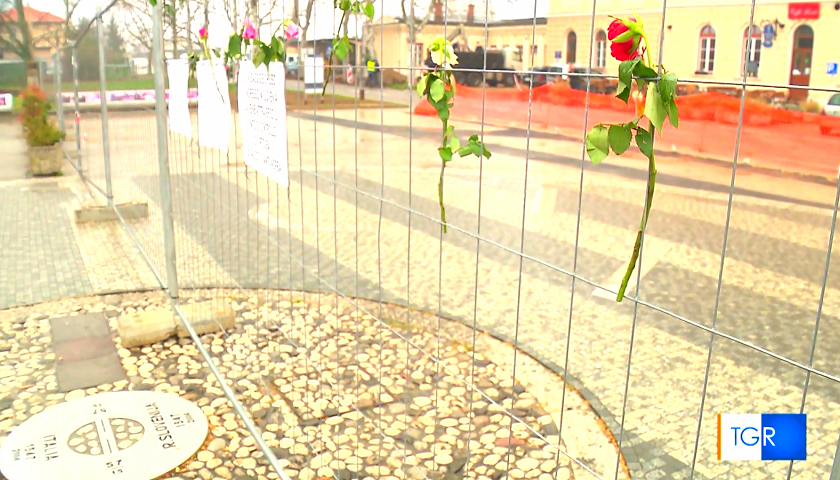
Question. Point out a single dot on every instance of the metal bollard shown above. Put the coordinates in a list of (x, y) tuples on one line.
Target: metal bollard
[(103, 105), (75, 61)]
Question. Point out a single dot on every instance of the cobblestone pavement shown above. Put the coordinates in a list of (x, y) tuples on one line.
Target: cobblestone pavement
[(344, 226), (404, 399)]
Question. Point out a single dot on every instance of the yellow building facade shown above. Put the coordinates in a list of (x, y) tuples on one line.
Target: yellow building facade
[(791, 43), (704, 41), (390, 39)]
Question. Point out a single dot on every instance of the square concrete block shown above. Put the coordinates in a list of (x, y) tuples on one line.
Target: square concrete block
[(144, 328), (102, 213), (207, 317)]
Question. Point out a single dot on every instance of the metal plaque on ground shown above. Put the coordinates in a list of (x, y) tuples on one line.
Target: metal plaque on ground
[(116, 435)]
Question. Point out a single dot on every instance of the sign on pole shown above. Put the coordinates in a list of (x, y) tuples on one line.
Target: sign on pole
[(832, 68), (5, 102), (313, 73)]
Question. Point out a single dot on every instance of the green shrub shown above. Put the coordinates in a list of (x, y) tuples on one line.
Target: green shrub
[(38, 130), (811, 106)]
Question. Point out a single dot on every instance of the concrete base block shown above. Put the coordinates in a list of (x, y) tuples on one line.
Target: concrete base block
[(207, 317), (152, 326), (145, 328), (106, 214)]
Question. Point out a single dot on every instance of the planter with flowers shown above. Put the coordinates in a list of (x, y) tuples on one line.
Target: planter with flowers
[(42, 135)]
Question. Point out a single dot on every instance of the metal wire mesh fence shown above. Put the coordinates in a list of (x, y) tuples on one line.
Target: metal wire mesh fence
[(362, 347)]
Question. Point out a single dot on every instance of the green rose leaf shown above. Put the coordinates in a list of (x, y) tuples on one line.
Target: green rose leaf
[(276, 47), (443, 113), (259, 57), (421, 85), (598, 144), (235, 44), (625, 79), (340, 48), (449, 131), (486, 152), (445, 153), (673, 115), (344, 5), (655, 107), (642, 70), (644, 141), (454, 143), (668, 87), (465, 150), (153, 3), (619, 137), (437, 90), (475, 149), (369, 10)]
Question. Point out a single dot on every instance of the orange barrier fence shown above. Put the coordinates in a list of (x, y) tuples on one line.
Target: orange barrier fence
[(770, 136)]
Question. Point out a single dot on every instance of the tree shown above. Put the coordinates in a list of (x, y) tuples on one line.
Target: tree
[(114, 43), (15, 36)]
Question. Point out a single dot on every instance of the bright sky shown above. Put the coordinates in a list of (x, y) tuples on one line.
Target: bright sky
[(505, 9), (322, 26)]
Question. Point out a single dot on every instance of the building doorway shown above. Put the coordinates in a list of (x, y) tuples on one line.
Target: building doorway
[(800, 64), (571, 47)]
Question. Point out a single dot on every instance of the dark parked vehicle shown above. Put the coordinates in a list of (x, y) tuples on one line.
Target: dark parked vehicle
[(578, 81), (542, 75)]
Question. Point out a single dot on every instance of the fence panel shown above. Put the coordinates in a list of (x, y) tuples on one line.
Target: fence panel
[(364, 342)]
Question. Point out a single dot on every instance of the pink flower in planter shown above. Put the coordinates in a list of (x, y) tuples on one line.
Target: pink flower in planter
[(249, 32)]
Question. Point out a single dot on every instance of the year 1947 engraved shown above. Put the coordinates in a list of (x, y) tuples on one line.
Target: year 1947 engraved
[(182, 419)]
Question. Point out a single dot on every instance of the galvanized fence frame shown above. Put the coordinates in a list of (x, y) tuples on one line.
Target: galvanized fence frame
[(168, 272)]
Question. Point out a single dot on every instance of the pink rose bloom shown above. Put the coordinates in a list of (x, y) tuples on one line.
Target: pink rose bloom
[(249, 32), (202, 33), (292, 30)]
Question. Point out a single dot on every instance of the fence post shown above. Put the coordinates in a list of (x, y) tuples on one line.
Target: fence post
[(59, 104), (163, 151), (103, 105), (75, 62)]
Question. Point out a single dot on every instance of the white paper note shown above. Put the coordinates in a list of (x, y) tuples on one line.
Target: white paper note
[(262, 119), (179, 109), (213, 105)]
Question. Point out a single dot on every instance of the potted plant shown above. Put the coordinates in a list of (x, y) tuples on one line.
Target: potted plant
[(42, 135)]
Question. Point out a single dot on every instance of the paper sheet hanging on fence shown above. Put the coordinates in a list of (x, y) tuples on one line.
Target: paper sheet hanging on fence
[(178, 72), (262, 119), (213, 105)]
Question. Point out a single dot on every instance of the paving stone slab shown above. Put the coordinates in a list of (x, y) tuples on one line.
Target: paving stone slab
[(85, 352)]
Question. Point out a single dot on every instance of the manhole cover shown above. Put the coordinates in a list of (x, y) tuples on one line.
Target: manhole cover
[(109, 435)]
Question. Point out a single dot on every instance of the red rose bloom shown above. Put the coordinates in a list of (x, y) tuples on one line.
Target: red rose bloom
[(616, 28), (623, 51)]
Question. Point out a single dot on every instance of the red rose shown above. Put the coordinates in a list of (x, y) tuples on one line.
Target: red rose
[(623, 51), (616, 28)]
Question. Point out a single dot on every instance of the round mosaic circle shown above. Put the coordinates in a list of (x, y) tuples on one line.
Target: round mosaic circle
[(108, 435)]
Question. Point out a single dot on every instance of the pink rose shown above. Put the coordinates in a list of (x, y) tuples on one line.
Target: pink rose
[(292, 30), (202, 33), (249, 32)]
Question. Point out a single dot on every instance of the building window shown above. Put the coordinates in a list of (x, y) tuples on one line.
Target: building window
[(600, 49), (707, 50), (803, 46), (418, 54), (571, 47), (751, 47)]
